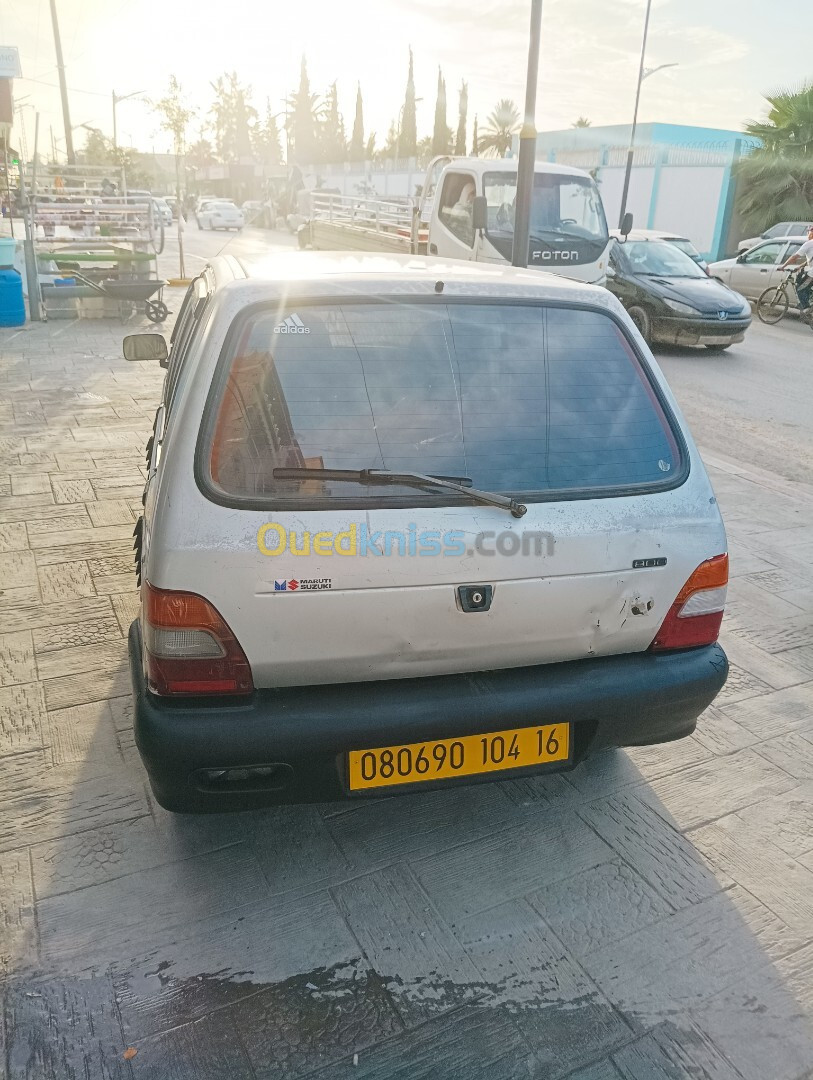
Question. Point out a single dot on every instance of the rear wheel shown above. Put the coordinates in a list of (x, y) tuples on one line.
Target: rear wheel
[(772, 305), (642, 322)]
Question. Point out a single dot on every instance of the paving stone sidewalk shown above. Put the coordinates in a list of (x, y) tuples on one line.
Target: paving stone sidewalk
[(648, 916)]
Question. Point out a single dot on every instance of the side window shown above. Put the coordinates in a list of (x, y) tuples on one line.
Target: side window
[(197, 297), (792, 249), (457, 205), (766, 254)]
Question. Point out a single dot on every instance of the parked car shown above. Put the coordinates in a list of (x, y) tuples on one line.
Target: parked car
[(206, 200), (412, 524), (679, 241), (253, 211), (163, 211), (776, 232), (220, 215), (671, 300), (755, 270)]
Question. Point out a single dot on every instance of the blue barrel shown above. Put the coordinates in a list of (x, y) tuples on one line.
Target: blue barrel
[(12, 304)]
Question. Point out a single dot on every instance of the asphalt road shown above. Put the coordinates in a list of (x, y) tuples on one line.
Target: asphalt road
[(752, 403)]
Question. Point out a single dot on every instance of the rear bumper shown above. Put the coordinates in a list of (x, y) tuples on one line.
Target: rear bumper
[(683, 331), (613, 701)]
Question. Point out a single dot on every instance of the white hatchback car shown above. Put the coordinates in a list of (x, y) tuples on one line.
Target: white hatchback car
[(412, 523), (755, 270), (220, 215)]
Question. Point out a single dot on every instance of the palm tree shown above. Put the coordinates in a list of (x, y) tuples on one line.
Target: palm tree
[(775, 181), (501, 126), (582, 122)]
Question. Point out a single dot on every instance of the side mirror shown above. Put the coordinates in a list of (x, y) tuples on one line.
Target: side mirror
[(146, 347), (479, 212), (626, 224), (741, 256)]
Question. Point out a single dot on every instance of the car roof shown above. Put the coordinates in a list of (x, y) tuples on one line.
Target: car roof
[(342, 273), (651, 234), (781, 239)]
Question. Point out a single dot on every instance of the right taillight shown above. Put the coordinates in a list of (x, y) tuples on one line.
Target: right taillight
[(695, 617), (189, 648)]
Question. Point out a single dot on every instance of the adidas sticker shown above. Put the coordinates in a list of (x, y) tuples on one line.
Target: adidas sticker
[(292, 325)]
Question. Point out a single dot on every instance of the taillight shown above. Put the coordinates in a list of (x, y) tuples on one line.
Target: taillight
[(695, 617), (189, 646)]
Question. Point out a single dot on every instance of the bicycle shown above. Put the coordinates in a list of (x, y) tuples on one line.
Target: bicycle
[(773, 303)]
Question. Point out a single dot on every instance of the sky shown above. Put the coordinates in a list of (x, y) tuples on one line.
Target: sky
[(728, 55)]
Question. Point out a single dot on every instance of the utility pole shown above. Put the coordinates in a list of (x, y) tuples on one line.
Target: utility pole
[(527, 145), (63, 89)]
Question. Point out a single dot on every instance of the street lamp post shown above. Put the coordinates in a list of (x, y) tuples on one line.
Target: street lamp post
[(116, 99), (643, 73), (527, 145)]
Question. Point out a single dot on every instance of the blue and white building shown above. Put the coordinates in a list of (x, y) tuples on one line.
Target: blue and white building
[(682, 177)]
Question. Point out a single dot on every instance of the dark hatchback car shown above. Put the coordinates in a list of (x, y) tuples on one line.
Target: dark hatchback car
[(671, 300)]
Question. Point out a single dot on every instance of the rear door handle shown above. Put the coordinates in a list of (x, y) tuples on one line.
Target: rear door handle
[(764, 271)]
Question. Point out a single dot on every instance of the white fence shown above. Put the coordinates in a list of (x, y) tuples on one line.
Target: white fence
[(685, 188)]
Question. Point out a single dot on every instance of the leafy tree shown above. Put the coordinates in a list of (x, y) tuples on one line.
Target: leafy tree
[(200, 153), (775, 181), (266, 139), (502, 123), (475, 149), (440, 134), (175, 115), (138, 168), (357, 146), (463, 105), (332, 137), (408, 135), (303, 121), (98, 149), (233, 118), (390, 147), (582, 122), (424, 149)]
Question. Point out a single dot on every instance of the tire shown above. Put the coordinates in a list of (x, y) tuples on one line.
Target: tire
[(156, 310), (158, 240), (642, 322), (772, 305), (718, 348)]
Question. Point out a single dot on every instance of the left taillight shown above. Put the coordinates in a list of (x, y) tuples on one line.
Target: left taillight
[(189, 647), (695, 616)]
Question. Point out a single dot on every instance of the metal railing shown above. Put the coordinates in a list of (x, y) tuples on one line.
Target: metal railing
[(369, 215)]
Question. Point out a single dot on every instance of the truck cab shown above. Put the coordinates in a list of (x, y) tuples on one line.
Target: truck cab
[(569, 233)]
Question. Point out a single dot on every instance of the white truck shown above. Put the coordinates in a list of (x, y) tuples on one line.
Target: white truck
[(466, 211)]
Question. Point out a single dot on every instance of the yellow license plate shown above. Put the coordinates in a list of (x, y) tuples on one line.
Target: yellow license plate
[(443, 759)]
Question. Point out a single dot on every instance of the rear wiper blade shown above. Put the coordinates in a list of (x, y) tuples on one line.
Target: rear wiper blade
[(413, 479)]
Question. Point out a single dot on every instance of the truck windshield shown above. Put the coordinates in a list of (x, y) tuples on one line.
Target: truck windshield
[(567, 218), (518, 399)]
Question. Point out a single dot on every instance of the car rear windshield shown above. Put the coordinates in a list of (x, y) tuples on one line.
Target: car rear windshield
[(512, 397)]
